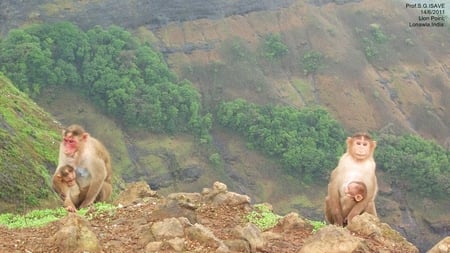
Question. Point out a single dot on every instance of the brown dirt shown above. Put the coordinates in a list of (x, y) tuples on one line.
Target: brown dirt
[(124, 231)]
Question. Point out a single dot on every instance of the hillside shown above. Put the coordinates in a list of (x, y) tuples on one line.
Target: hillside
[(399, 78), (29, 139), (376, 73)]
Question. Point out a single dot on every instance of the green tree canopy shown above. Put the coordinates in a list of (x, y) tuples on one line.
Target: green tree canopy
[(306, 141), (127, 79), (422, 165)]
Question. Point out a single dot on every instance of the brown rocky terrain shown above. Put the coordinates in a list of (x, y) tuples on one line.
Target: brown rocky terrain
[(211, 221)]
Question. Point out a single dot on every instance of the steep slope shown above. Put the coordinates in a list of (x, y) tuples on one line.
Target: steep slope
[(28, 150), (376, 70)]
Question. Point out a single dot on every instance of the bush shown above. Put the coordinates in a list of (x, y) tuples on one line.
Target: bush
[(273, 47), (311, 62)]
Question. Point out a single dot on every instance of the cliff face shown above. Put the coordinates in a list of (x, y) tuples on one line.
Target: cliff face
[(377, 72), (130, 14)]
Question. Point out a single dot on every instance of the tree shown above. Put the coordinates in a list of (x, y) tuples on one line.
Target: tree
[(273, 47)]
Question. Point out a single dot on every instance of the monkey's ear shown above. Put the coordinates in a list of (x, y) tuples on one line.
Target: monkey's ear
[(358, 197), (349, 141), (85, 136), (374, 144)]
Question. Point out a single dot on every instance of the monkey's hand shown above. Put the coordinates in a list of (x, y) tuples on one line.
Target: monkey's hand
[(338, 219), (71, 209)]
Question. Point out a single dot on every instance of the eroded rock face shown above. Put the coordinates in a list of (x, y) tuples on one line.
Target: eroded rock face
[(131, 14)]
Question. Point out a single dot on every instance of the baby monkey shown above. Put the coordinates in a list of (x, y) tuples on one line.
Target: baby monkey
[(65, 183), (355, 191)]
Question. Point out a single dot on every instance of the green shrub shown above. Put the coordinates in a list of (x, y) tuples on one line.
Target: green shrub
[(274, 47), (311, 62), (263, 217)]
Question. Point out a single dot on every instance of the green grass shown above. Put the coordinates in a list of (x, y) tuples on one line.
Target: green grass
[(263, 217), (317, 224), (39, 218)]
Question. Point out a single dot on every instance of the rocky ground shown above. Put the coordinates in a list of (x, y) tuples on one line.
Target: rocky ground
[(211, 221)]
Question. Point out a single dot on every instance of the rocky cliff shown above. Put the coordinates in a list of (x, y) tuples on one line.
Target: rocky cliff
[(398, 85)]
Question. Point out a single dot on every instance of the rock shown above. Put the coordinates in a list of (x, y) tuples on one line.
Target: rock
[(238, 245), (177, 244), (202, 234), (153, 247), (168, 228), (333, 239), (76, 235), (370, 226), (219, 194), (441, 247), (293, 221), (173, 209), (253, 235), (134, 193), (155, 13)]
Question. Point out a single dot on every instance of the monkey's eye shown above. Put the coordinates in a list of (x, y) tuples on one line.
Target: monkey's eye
[(70, 141)]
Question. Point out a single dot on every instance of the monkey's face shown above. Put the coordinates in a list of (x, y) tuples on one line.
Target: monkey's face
[(71, 145), (361, 148), (69, 178)]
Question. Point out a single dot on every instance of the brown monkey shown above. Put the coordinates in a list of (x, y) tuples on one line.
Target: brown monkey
[(354, 192), (92, 163), (64, 182), (357, 164)]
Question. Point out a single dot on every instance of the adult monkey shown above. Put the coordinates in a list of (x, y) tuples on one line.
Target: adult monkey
[(92, 162), (357, 164)]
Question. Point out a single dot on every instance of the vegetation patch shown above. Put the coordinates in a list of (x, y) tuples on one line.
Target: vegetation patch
[(28, 149), (273, 47), (305, 89), (127, 79), (39, 218), (311, 62), (306, 141), (263, 217), (317, 225)]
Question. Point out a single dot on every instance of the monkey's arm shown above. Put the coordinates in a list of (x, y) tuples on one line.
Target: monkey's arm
[(68, 204), (60, 188), (333, 199)]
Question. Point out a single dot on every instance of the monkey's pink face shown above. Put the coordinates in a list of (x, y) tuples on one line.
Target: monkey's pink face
[(70, 145)]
